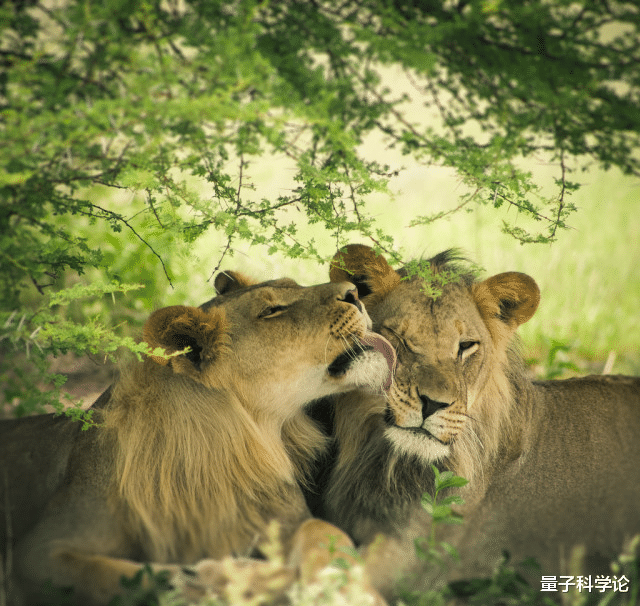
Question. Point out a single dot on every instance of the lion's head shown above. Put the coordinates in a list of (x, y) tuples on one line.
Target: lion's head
[(453, 391), (289, 343), (552, 465), (210, 441)]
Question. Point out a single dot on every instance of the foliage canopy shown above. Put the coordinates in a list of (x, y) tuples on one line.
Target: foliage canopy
[(173, 102)]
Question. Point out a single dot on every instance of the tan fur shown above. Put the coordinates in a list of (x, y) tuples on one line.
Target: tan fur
[(195, 453), (358, 264), (553, 466)]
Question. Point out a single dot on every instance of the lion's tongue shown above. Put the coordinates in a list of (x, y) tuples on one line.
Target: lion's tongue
[(379, 343)]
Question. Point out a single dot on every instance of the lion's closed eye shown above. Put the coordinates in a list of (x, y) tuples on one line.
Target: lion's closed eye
[(273, 311), (403, 341), (467, 348)]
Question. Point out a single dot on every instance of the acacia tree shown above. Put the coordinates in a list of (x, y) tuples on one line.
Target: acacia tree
[(174, 98)]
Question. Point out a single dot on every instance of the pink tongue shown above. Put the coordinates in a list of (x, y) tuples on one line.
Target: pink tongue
[(379, 343)]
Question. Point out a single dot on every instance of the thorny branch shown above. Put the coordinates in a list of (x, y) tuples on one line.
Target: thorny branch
[(109, 214), (562, 190), (424, 142)]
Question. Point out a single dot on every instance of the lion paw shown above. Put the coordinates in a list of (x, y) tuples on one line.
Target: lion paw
[(236, 579)]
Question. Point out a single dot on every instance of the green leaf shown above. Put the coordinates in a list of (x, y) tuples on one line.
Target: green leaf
[(450, 550), (453, 519), (453, 499), (427, 503), (440, 512), (449, 480)]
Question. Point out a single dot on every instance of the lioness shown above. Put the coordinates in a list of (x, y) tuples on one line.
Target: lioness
[(195, 453), (551, 464)]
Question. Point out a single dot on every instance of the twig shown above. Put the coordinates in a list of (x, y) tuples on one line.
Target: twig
[(608, 365), (110, 214), (562, 190), (222, 256), (153, 208), (238, 205), (528, 210)]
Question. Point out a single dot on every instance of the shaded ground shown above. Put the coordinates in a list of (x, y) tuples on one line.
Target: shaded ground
[(87, 378)]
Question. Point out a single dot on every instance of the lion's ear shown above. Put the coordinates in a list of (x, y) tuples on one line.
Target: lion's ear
[(510, 298), (362, 266), (177, 327), (228, 281)]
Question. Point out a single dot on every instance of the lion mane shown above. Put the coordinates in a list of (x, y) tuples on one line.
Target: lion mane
[(198, 447), (172, 490), (553, 466), (495, 418)]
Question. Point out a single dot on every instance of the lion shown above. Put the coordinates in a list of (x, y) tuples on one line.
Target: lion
[(195, 453), (553, 466)]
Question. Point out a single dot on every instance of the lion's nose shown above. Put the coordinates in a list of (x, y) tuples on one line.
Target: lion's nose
[(351, 296), (430, 406)]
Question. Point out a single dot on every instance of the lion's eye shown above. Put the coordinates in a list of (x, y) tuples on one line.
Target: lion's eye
[(467, 348), (400, 339), (273, 311)]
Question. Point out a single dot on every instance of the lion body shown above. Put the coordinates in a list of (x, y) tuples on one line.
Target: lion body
[(194, 454), (553, 466)]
